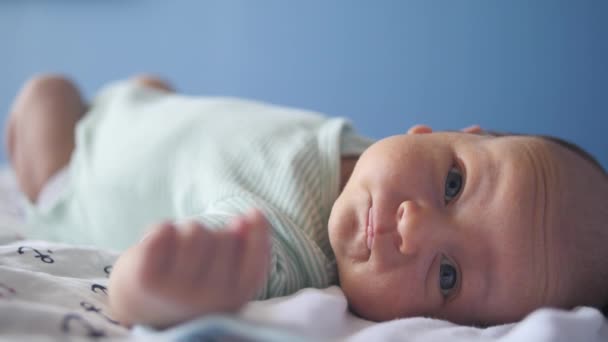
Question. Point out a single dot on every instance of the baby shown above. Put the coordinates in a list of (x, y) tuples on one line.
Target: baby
[(217, 201)]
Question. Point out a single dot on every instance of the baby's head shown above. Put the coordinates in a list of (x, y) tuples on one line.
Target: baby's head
[(472, 228)]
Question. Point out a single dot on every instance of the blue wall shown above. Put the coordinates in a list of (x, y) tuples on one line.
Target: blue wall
[(526, 66)]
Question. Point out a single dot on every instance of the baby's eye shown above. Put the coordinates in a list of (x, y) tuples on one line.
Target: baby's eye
[(448, 277), (453, 184)]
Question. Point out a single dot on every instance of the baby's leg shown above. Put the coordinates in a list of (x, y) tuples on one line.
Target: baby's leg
[(153, 81), (40, 130)]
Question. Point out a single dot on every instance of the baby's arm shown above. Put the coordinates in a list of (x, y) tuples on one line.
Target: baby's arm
[(174, 275)]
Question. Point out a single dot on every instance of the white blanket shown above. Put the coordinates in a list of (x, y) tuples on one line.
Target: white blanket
[(51, 291)]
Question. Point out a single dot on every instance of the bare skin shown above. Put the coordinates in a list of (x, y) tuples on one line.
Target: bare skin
[(174, 275), (469, 228), (39, 130)]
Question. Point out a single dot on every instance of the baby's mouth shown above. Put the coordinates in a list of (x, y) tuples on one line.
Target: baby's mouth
[(370, 229)]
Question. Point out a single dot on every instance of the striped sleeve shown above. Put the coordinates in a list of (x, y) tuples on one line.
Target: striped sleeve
[(292, 264)]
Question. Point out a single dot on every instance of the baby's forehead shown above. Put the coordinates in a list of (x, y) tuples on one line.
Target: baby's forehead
[(556, 145), (573, 181), (568, 204), (569, 146), (564, 168)]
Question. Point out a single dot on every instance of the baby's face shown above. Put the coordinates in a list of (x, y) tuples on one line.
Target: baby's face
[(448, 225)]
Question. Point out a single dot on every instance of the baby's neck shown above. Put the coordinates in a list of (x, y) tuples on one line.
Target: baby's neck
[(347, 164)]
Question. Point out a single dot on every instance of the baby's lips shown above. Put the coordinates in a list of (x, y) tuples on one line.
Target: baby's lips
[(369, 230)]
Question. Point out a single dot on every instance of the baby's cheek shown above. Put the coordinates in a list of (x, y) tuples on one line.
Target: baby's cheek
[(376, 299)]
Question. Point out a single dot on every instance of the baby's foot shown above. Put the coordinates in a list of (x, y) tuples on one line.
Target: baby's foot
[(176, 274)]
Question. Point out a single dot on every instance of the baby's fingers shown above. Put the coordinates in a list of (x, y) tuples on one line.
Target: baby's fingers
[(255, 258)]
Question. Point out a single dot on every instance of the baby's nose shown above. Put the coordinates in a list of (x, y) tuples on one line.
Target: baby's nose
[(412, 227)]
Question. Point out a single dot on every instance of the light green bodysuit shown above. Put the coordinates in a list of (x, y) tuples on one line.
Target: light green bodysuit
[(144, 155)]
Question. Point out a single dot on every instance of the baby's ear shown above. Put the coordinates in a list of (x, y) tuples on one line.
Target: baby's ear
[(420, 129), (475, 129)]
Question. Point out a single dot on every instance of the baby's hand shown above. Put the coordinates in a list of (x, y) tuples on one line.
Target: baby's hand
[(174, 275)]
